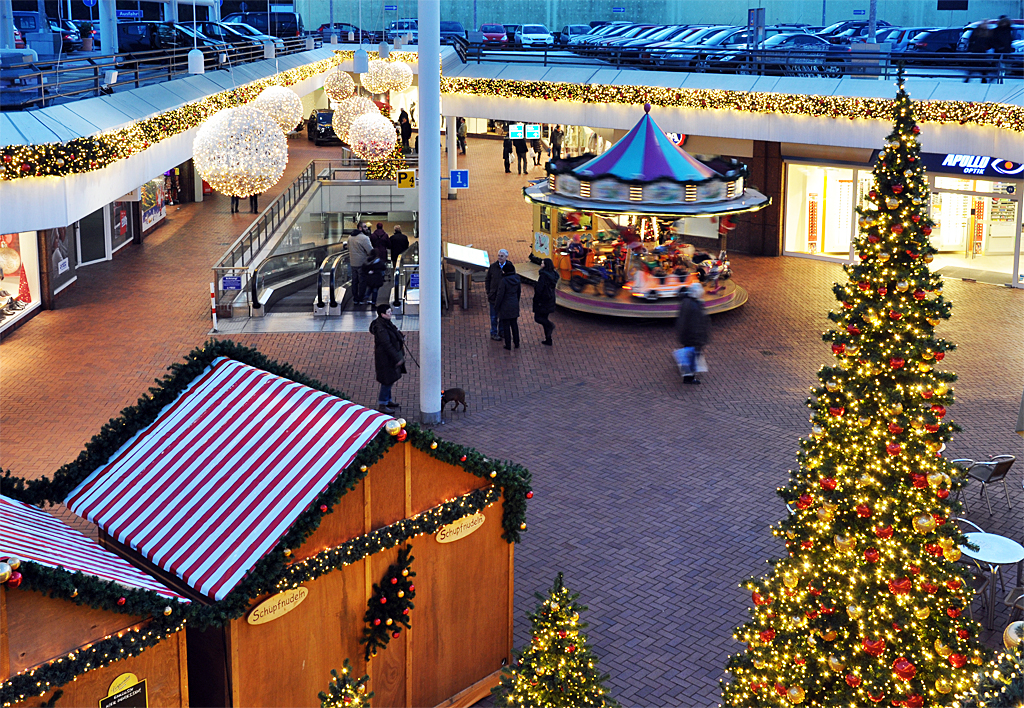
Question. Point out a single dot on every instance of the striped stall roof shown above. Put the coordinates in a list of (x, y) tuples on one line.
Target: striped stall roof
[(213, 483), (33, 535)]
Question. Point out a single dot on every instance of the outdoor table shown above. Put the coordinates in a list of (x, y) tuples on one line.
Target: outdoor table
[(994, 550)]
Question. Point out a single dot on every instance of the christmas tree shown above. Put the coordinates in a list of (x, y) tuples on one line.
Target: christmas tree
[(1000, 685), (345, 691), (557, 669), (868, 605)]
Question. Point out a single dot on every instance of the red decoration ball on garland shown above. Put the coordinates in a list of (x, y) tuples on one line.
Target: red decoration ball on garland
[(942, 494), (412, 588), (919, 295), (916, 130), (926, 230), (376, 622), (828, 483), (883, 290), (804, 501), (15, 580), (394, 581), (895, 429), (383, 601), (767, 635), (121, 601), (871, 555), (893, 448), (957, 660), (897, 188), (838, 348), (896, 363), (953, 612), (25, 167), (852, 681), (529, 495), (402, 435), (405, 611), (904, 668), (863, 511), (462, 459), (939, 356), (897, 228), (395, 634), (323, 508)]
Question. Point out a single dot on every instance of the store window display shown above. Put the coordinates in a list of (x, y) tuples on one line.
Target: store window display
[(19, 276), (121, 226), (820, 209)]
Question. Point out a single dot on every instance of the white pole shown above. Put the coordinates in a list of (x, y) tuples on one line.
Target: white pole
[(108, 25), (213, 304), (452, 145), (430, 209)]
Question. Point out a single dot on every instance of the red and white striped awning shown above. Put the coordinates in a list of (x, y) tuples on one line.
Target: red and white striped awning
[(33, 535), (213, 483)]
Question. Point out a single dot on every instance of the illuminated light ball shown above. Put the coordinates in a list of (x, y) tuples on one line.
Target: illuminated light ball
[(392, 427), (5, 572), (795, 694), (924, 523), (836, 664), (10, 263), (400, 75), (347, 111), (378, 78), (943, 685), (372, 137), (282, 104), (855, 612), (339, 85), (240, 151)]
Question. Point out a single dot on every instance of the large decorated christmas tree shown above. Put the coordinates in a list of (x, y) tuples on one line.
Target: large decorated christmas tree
[(868, 607)]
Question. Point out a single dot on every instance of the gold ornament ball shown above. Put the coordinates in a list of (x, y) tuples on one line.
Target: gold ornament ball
[(935, 479), (522, 527), (339, 85), (852, 349), (943, 685), (14, 562), (884, 256), (836, 664), (240, 151), (832, 386), (1012, 635), (401, 593), (923, 367), (924, 523), (952, 555), (433, 445), (400, 76), (5, 572), (405, 572), (167, 611), (817, 431), (829, 635), (917, 424), (372, 137), (795, 694), (10, 260), (393, 427), (941, 389), (790, 579), (389, 622), (347, 111), (863, 420), (896, 409), (902, 286), (282, 104), (401, 421), (927, 258), (941, 649), (758, 662), (922, 613), (854, 611), (844, 543)]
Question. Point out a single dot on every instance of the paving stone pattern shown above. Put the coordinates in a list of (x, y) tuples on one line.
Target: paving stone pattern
[(652, 497)]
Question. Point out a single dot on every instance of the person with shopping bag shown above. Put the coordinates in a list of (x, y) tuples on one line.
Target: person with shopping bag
[(693, 327)]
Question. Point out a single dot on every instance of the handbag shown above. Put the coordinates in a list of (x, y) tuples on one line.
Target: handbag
[(700, 364)]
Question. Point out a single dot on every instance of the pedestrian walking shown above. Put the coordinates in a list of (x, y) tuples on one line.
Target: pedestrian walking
[(556, 142), (522, 150), (693, 329), (544, 298), (388, 356), (506, 152), (978, 44), (538, 149), (1002, 44), (460, 132), (495, 272), (399, 245), (359, 250), (234, 204), (506, 303)]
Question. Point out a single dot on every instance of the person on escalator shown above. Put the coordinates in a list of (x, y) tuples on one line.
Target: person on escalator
[(359, 250), (399, 245), (373, 277)]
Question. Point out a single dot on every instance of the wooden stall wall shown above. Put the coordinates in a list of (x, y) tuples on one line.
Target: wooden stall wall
[(162, 667)]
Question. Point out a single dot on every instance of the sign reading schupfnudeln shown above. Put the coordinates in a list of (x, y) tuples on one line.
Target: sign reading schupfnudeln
[(277, 606), (461, 528), (131, 696)]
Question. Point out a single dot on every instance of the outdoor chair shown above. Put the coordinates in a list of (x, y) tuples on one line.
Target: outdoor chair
[(979, 579), (992, 470)]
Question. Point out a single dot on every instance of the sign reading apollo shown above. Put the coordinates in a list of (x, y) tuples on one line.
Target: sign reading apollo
[(461, 528), (277, 605)]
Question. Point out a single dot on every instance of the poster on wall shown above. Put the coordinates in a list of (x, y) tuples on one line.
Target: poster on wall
[(120, 224), (61, 255), (154, 208)]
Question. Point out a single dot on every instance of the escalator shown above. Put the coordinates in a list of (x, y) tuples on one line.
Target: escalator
[(310, 279)]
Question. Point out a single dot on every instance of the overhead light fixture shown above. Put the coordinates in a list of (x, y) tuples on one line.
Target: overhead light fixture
[(383, 50), (196, 62), (361, 61)]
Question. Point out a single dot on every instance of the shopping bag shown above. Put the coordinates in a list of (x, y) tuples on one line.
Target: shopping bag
[(700, 364), (684, 360)]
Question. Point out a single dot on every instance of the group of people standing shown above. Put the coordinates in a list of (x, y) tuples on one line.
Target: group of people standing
[(988, 40), (368, 254), (504, 290), (522, 148)]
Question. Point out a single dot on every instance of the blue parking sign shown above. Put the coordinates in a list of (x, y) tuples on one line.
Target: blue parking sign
[(89, 3), (459, 179)]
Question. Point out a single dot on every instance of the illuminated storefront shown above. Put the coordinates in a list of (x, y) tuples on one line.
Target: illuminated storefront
[(19, 284)]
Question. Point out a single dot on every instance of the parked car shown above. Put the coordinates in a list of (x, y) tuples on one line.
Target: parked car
[(569, 31), (253, 33), (343, 30), (227, 33), (452, 30), (832, 32), (789, 54), (36, 22), (632, 33), (151, 36), (1016, 29), (494, 34), (281, 24), (400, 28), (534, 36), (900, 38), (319, 128), (937, 41)]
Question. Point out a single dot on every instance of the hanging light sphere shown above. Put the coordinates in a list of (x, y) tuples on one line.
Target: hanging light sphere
[(347, 111), (377, 78), (401, 75), (372, 137), (240, 151), (10, 260), (282, 104), (339, 85)]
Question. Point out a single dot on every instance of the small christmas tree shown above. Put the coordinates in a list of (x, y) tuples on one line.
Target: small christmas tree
[(557, 669), (345, 691), (1000, 685), (868, 605)]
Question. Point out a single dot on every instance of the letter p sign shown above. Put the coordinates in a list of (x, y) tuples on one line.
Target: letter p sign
[(405, 179)]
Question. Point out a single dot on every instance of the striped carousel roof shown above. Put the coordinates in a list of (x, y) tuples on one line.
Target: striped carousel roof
[(646, 154), (213, 483), (34, 535)]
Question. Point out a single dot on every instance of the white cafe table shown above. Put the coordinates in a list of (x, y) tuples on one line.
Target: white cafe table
[(994, 550)]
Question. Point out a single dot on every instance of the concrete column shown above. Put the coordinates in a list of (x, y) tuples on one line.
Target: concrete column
[(171, 11), (108, 26), (766, 176), (452, 145), (6, 24), (430, 209)]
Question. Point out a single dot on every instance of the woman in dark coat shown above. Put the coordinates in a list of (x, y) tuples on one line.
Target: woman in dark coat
[(506, 306), (693, 326), (544, 298), (388, 355)]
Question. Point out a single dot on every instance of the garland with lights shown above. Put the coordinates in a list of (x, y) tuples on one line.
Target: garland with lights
[(345, 691), (557, 669), (389, 605), (868, 605), (1001, 685), (997, 115)]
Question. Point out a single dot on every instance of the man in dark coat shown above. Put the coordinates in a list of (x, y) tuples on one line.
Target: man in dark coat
[(544, 298), (556, 142), (388, 355), (506, 304), (359, 252), (494, 274), (506, 151), (399, 245), (522, 150), (693, 326), (381, 242), (406, 129)]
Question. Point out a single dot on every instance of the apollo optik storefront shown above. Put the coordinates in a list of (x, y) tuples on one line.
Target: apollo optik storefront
[(975, 203)]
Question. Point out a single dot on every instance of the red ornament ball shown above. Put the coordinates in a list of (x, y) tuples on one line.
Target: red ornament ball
[(884, 531), (121, 601), (942, 494), (405, 611), (883, 290), (412, 588), (952, 612), (897, 229), (383, 601), (767, 635), (804, 501), (875, 647), (897, 189), (957, 660), (871, 555), (828, 483), (919, 295), (402, 435), (904, 668), (916, 218), (394, 581), (462, 459), (395, 634), (895, 315), (895, 428), (939, 356), (896, 363), (916, 130), (529, 495), (893, 448), (852, 681), (323, 508), (838, 348), (938, 410), (926, 230), (15, 580), (376, 622), (837, 412), (915, 700), (963, 633), (863, 511)]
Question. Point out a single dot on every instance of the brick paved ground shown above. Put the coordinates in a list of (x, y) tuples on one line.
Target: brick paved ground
[(652, 497)]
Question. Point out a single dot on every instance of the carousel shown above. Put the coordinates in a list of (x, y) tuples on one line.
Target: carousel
[(623, 228)]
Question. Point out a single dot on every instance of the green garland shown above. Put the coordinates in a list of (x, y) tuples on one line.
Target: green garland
[(345, 691), (389, 605)]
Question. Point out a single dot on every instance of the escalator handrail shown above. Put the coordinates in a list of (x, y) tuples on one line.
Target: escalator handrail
[(320, 283), (342, 256), (254, 281)]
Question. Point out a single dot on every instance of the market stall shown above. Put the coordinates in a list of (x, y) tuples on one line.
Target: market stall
[(310, 530), (626, 227), (80, 626)]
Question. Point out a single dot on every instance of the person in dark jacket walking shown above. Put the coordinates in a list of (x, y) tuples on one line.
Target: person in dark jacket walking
[(544, 298), (406, 129), (494, 274), (381, 242), (506, 152), (506, 303), (978, 45), (522, 151), (399, 245), (373, 276), (556, 142), (388, 355), (693, 326)]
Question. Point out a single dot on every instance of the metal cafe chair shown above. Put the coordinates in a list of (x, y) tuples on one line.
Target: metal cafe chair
[(987, 472), (979, 579)]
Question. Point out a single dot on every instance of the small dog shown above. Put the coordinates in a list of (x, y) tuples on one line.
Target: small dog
[(453, 394)]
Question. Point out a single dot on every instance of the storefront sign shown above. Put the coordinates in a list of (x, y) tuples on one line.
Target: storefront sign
[(126, 692), (461, 528), (129, 14), (956, 164), (277, 606)]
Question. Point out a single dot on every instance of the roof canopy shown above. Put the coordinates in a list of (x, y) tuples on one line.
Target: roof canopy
[(33, 535), (212, 484)]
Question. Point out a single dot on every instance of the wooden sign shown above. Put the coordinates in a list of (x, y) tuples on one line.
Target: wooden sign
[(130, 696), (277, 606), (461, 528)]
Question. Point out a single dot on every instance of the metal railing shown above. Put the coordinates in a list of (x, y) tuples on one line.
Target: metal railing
[(33, 84)]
